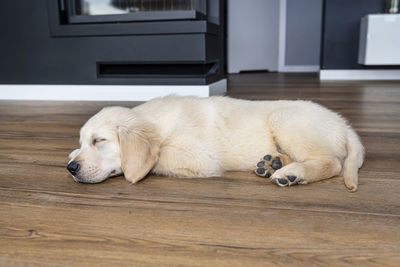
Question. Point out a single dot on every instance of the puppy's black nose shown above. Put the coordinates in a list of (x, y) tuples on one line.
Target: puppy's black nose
[(73, 167)]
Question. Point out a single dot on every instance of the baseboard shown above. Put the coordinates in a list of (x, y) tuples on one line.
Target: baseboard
[(299, 68), (359, 74), (107, 92)]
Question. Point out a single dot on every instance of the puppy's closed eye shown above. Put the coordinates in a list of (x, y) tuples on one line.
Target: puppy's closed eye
[(98, 140)]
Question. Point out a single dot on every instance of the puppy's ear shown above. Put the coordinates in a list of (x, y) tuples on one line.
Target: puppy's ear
[(139, 149)]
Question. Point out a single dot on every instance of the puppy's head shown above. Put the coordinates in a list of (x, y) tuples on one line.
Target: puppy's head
[(114, 141)]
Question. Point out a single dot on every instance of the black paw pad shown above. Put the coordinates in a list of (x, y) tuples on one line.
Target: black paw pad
[(260, 171), (261, 164), (267, 175), (267, 157), (291, 178), (282, 181), (276, 164)]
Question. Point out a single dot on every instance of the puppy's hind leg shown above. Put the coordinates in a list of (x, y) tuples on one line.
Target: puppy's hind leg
[(309, 171)]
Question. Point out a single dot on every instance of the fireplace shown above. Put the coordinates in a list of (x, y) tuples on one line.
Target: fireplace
[(121, 42)]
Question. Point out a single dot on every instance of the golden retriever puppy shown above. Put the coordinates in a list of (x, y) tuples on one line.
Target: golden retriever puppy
[(303, 142)]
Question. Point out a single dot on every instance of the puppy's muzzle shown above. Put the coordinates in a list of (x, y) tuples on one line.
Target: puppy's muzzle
[(73, 167)]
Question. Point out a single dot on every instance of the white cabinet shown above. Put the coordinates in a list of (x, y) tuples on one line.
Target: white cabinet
[(380, 40)]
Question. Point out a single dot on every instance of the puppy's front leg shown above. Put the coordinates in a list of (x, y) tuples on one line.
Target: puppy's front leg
[(188, 158)]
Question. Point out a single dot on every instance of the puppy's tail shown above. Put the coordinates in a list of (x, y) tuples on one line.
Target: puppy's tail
[(354, 159)]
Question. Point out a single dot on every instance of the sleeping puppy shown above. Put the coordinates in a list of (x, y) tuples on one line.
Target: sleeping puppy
[(303, 142)]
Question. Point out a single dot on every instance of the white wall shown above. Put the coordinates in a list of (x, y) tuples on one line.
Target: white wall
[(303, 33), (273, 35), (252, 32)]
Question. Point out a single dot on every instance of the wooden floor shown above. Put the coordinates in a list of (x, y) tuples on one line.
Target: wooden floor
[(46, 219)]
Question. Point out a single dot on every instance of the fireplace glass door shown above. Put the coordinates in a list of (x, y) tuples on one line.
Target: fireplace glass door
[(103, 11)]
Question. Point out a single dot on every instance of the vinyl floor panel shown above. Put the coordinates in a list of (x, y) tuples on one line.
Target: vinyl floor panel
[(239, 219)]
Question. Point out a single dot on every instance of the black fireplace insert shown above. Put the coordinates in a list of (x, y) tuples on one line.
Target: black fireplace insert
[(93, 11)]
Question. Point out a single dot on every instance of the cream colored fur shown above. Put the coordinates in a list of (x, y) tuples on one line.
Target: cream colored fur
[(204, 137)]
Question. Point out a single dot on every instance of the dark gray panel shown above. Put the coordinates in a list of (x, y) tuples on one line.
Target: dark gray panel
[(341, 32)]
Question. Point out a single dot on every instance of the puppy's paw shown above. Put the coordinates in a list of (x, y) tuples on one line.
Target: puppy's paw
[(289, 175), (288, 180), (268, 165)]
